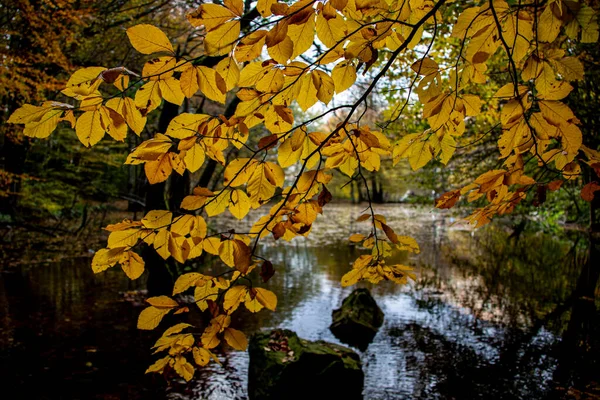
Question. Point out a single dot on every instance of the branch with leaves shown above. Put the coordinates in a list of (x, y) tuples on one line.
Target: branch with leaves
[(305, 54)]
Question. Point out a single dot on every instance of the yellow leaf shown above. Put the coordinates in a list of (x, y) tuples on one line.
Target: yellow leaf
[(106, 258), (27, 113), (229, 71), (221, 40), (211, 245), (264, 7), (239, 204), (150, 150), (259, 187), (408, 243), (236, 339), (252, 304), (330, 31), (344, 76), (194, 158), (132, 115), (236, 6), (157, 219), (170, 90), (185, 281), (148, 97), (282, 51), (193, 202), (201, 356), (148, 39), (271, 81), (290, 150), (324, 84), (357, 237), (218, 204), (89, 128), (570, 68), (251, 46), (159, 170), (351, 277), (308, 92), (210, 16), (239, 171), (267, 298), (548, 25), (420, 155), (203, 292), (150, 317), (162, 302), (302, 36), (184, 368), (183, 225), (448, 145), (159, 68), (85, 81), (189, 82), (132, 264), (557, 113), (207, 79), (185, 125), (234, 297), (43, 127), (114, 122), (124, 238), (159, 365), (235, 254), (425, 66)]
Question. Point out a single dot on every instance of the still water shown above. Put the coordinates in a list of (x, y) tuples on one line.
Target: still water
[(489, 316)]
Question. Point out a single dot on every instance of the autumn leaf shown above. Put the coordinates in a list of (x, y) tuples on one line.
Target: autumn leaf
[(148, 39), (589, 190)]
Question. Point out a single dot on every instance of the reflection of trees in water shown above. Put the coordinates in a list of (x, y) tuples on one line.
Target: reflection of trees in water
[(535, 284), (444, 368), (507, 281)]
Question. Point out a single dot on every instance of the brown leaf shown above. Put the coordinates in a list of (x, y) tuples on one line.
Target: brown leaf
[(267, 142), (448, 199), (589, 190), (266, 271), (324, 197), (596, 167), (278, 230), (555, 185)]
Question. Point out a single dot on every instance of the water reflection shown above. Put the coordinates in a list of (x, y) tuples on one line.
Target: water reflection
[(484, 319)]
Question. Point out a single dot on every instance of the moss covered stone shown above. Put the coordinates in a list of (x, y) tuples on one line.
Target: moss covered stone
[(284, 366), (356, 322)]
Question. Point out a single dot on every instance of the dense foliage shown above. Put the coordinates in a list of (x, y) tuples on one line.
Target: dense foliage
[(288, 88)]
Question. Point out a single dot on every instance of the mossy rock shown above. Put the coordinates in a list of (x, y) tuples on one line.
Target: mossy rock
[(358, 319), (284, 366)]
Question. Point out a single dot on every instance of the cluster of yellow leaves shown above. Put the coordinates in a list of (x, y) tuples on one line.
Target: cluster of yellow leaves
[(445, 111), (178, 345), (495, 186), (533, 118), (181, 237), (354, 145), (374, 270), (382, 240)]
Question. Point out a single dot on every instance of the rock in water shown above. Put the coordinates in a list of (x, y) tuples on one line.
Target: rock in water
[(283, 366), (356, 322)]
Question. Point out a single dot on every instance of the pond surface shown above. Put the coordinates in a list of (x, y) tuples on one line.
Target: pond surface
[(489, 316)]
